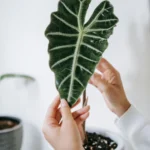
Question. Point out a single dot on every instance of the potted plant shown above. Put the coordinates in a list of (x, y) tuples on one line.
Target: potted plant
[(11, 128), (75, 48)]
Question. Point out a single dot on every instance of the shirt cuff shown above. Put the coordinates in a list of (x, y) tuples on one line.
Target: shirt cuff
[(130, 122)]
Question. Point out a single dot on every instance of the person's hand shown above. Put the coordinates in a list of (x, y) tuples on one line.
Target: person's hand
[(63, 129), (108, 81)]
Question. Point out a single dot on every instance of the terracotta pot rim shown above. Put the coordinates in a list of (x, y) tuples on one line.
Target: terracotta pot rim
[(19, 125)]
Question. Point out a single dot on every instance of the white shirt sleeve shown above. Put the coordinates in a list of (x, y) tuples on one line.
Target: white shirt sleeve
[(135, 128)]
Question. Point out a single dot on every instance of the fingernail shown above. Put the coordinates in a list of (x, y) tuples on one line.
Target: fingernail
[(88, 106), (92, 78), (63, 103)]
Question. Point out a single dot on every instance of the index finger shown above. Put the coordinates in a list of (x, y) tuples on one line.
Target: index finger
[(52, 110), (104, 65), (58, 115)]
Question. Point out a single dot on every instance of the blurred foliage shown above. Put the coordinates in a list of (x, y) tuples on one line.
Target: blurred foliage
[(11, 75)]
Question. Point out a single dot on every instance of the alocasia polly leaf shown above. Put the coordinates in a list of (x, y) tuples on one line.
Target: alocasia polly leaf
[(76, 47)]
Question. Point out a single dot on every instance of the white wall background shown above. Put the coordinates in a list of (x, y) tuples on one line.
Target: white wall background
[(23, 49)]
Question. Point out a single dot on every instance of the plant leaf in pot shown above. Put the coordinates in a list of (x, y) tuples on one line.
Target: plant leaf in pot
[(11, 128), (75, 47)]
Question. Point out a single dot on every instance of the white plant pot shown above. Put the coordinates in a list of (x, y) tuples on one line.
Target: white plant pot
[(112, 135)]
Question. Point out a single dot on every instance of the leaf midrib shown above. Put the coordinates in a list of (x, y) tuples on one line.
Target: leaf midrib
[(82, 32), (75, 60)]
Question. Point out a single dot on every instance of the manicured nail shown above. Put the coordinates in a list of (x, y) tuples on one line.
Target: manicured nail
[(63, 103), (88, 106), (92, 78)]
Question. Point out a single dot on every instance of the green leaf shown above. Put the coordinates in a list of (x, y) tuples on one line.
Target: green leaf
[(76, 47)]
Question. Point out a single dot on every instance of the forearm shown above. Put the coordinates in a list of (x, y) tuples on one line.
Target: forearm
[(135, 127)]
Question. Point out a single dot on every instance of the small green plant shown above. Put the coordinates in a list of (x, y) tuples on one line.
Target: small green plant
[(75, 47), (11, 75)]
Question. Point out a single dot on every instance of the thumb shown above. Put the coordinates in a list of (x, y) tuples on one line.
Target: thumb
[(65, 110), (99, 82)]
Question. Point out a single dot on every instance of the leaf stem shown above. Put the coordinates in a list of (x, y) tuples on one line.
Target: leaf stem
[(85, 101)]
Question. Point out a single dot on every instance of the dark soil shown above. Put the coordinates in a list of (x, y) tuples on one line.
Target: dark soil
[(6, 124), (98, 142)]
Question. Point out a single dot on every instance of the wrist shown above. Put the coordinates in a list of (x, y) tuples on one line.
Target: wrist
[(122, 109)]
